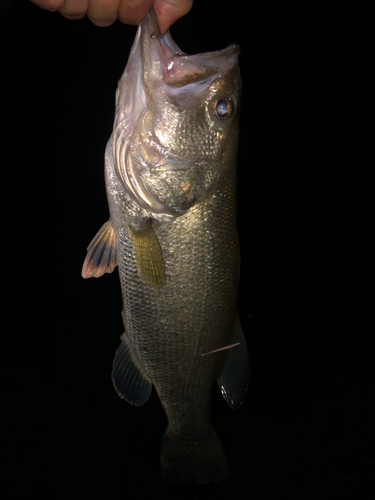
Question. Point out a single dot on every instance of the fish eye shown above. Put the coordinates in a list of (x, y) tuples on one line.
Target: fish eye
[(223, 108)]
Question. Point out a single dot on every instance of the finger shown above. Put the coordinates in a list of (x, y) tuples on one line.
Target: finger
[(51, 5), (168, 11), (133, 11), (103, 12), (74, 9)]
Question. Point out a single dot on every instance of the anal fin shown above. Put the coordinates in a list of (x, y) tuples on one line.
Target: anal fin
[(128, 379), (101, 253), (234, 378)]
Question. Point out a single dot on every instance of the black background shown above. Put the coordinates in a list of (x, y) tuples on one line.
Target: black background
[(306, 428)]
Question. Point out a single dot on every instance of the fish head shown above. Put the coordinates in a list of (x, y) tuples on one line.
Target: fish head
[(176, 126)]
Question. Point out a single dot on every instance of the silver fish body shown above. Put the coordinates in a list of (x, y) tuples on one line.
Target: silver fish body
[(171, 188)]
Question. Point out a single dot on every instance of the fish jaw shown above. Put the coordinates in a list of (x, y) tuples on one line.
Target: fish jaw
[(174, 73), (162, 57), (159, 155)]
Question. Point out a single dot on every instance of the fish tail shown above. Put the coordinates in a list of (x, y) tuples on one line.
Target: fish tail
[(184, 461)]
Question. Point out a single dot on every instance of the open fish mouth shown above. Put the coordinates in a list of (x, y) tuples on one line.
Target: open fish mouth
[(162, 54)]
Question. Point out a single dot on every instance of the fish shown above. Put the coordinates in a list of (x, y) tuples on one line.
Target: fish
[(170, 175)]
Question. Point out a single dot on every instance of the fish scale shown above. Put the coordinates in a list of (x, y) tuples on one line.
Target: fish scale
[(203, 294)]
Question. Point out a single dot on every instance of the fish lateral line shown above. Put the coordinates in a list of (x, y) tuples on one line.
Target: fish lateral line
[(221, 349)]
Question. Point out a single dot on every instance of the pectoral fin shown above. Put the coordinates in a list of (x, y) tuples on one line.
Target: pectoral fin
[(149, 255), (101, 253), (234, 378)]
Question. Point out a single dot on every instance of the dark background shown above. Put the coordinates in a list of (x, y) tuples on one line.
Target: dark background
[(306, 428)]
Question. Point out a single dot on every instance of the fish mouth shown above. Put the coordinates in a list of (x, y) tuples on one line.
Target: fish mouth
[(164, 60)]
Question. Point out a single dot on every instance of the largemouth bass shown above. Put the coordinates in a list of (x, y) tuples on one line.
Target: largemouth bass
[(170, 170)]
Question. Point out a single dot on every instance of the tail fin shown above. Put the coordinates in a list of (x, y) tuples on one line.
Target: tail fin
[(185, 461)]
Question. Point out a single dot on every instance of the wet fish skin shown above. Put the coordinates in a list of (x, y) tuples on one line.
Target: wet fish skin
[(171, 188)]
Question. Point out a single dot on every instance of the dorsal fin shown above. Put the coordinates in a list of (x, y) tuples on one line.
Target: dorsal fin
[(234, 379)]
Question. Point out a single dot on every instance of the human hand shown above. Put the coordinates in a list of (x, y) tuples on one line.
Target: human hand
[(105, 12)]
